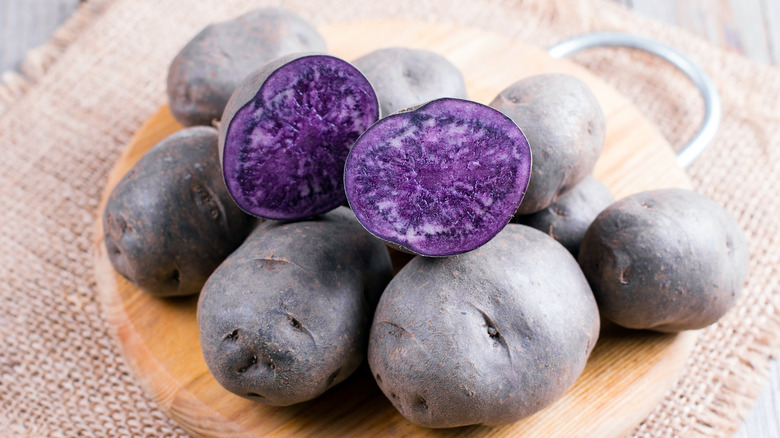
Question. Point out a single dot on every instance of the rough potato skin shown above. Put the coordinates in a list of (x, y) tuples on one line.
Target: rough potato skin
[(667, 260), (566, 128), (205, 72), (404, 78), (567, 219), (287, 315), (487, 337), (170, 221)]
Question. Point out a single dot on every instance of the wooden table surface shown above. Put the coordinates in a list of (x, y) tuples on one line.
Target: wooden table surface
[(749, 27)]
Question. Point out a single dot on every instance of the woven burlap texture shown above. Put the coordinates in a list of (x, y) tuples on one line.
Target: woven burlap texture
[(64, 121)]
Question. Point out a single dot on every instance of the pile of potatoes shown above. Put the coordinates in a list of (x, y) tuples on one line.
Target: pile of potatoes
[(282, 217)]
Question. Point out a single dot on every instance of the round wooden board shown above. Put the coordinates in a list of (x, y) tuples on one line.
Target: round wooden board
[(627, 375)]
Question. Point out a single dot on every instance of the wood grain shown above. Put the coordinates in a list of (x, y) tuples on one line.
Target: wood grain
[(626, 376)]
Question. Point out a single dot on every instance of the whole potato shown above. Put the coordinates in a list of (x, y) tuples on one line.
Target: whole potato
[(666, 260), (205, 72), (287, 315), (170, 221), (486, 337), (567, 219), (566, 128), (403, 78)]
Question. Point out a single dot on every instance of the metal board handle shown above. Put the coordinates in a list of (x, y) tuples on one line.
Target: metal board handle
[(712, 106)]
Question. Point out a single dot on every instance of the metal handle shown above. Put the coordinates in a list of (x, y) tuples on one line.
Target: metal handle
[(712, 107)]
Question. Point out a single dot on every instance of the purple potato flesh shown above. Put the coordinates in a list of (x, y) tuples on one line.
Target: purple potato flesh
[(289, 128), (439, 180)]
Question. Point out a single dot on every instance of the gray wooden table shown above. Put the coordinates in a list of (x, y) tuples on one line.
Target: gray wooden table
[(749, 27)]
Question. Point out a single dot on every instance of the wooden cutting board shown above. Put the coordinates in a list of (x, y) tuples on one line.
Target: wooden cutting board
[(627, 375)]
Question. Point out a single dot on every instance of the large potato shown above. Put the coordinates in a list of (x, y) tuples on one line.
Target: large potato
[(287, 315), (170, 221), (205, 72), (403, 78), (490, 336), (667, 260), (566, 128)]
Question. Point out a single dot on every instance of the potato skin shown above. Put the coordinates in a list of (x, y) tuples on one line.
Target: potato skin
[(566, 128), (486, 337), (404, 78), (567, 219), (205, 72), (170, 221), (667, 260), (287, 315)]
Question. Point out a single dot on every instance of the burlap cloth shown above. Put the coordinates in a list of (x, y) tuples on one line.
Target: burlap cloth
[(64, 121)]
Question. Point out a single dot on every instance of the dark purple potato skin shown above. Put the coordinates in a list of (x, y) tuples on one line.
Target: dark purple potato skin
[(566, 128), (567, 219), (666, 260), (170, 221), (287, 315), (438, 180), (403, 78), (487, 337), (286, 133), (208, 69)]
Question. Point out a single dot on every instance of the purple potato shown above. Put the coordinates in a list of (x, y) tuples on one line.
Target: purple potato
[(170, 221), (403, 78), (566, 128), (287, 315), (567, 219), (488, 337), (667, 260), (286, 133), (438, 180), (208, 69)]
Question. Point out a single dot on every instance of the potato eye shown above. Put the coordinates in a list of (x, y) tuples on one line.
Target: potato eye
[(232, 336)]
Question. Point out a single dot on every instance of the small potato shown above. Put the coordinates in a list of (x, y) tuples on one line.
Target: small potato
[(170, 221), (205, 72), (486, 337), (566, 128), (404, 78), (567, 219), (287, 315), (666, 260)]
